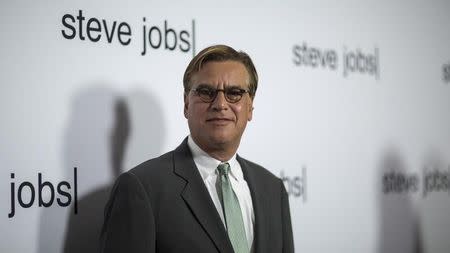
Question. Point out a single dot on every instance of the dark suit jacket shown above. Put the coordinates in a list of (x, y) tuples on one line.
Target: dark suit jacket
[(163, 205)]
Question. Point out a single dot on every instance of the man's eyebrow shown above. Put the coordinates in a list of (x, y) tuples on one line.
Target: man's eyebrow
[(210, 86), (204, 85), (234, 86)]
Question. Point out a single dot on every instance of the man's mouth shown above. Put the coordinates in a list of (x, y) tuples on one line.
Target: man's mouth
[(219, 120)]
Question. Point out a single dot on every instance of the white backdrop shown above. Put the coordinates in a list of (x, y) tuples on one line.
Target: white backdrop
[(352, 111)]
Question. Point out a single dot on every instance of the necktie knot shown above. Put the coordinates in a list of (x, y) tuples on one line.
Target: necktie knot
[(224, 169)]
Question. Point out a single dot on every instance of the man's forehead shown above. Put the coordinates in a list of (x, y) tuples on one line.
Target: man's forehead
[(226, 72)]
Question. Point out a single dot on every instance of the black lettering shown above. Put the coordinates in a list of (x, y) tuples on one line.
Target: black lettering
[(361, 62), (174, 36), (446, 72), (323, 58), (153, 28), (297, 55), (304, 48), (445, 183), (332, 59), (414, 183), (69, 26), (397, 182), (376, 64), (13, 208), (109, 36), (351, 61), (193, 38), (80, 18), (427, 185), (437, 180), (41, 186), (386, 185), (400, 184), (313, 55), (75, 185), (19, 194), (304, 184), (345, 69), (64, 193), (296, 184), (184, 41), (285, 181), (126, 33), (144, 42), (95, 28), (371, 65)]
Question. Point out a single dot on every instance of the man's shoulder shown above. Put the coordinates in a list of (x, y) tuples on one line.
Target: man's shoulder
[(258, 170), (157, 165)]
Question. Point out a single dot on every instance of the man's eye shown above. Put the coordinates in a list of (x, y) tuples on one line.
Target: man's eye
[(205, 92), (235, 92)]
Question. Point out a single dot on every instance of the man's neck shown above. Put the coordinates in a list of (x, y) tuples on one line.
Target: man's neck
[(221, 155), (221, 152)]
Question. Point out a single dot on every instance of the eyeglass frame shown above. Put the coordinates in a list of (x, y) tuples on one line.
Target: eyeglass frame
[(216, 92)]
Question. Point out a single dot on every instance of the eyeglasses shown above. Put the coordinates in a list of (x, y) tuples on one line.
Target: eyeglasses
[(208, 94)]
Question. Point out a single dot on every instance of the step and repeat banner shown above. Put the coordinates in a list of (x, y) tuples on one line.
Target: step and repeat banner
[(352, 113)]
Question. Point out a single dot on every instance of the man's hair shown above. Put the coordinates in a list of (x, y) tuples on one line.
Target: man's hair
[(220, 53)]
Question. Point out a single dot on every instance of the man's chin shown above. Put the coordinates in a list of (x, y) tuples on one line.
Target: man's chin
[(219, 140)]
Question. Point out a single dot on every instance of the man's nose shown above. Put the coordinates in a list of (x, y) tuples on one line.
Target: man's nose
[(220, 102)]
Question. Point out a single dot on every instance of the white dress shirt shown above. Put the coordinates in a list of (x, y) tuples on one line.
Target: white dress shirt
[(207, 166)]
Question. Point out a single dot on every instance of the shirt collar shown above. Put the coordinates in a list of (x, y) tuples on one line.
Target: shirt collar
[(207, 165)]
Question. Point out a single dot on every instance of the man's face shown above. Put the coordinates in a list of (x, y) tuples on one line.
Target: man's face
[(218, 124)]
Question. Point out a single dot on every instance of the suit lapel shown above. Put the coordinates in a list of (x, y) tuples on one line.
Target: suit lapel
[(260, 209), (198, 198)]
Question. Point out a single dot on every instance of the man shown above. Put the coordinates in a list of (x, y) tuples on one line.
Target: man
[(202, 196)]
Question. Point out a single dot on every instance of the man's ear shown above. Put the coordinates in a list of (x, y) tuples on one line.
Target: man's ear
[(186, 105), (250, 111)]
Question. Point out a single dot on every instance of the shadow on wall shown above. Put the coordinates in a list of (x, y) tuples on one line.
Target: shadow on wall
[(435, 210), (106, 133), (399, 222)]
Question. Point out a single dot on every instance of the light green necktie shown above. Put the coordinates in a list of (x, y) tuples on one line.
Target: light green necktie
[(232, 211)]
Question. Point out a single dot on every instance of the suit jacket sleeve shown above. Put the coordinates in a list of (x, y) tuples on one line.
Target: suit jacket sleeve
[(129, 225), (288, 241)]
